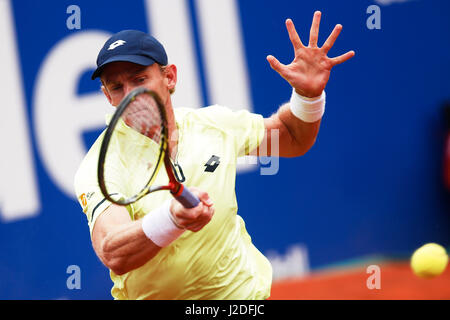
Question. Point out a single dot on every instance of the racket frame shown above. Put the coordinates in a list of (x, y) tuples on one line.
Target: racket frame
[(175, 187)]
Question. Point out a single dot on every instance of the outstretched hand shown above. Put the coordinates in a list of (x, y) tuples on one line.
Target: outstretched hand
[(310, 70)]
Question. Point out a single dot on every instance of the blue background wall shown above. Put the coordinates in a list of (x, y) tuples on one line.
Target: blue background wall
[(372, 184)]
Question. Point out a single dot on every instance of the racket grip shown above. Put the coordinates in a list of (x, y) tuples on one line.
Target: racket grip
[(187, 198)]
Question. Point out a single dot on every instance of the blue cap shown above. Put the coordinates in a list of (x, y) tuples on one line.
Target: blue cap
[(132, 46)]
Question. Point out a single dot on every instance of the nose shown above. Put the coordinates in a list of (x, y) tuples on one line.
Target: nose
[(127, 88)]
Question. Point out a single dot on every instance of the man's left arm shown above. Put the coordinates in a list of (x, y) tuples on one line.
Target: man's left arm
[(296, 124)]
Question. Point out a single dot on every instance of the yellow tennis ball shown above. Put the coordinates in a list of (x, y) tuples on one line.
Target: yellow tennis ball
[(429, 261)]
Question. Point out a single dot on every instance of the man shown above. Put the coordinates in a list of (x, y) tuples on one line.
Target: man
[(156, 248)]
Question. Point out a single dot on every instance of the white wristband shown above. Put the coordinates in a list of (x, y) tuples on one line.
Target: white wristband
[(159, 227), (307, 109)]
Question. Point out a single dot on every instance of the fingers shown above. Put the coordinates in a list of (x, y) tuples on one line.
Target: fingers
[(342, 58), (332, 38), (314, 32), (204, 197), (293, 35), (202, 220), (276, 65), (194, 219)]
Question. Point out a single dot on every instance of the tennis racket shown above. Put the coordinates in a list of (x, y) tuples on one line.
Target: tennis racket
[(138, 131)]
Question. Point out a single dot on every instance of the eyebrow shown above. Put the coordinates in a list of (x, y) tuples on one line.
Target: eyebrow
[(138, 70), (129, 74)]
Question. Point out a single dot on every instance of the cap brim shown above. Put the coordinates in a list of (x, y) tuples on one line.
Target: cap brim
[(141, 60)]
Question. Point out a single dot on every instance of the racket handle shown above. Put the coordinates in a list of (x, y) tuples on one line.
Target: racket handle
[(187, 198)]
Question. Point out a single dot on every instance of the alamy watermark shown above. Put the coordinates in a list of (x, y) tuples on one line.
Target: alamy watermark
[(266, 153), (374, 280), (74, 20), (374, 20), (74, 279)]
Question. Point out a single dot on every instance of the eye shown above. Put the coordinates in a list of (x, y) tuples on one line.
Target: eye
[(140, 79)]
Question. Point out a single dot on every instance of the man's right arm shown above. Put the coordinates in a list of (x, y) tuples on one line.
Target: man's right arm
[(121, 243)]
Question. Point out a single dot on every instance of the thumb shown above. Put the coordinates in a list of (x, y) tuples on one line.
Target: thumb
[(275, 64)]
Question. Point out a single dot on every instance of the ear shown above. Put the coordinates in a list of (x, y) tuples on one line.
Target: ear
[(106, 93), (170, 73)]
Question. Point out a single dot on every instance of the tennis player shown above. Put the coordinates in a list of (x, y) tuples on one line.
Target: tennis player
[(157, 249)]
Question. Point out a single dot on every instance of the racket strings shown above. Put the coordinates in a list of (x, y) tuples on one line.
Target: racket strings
[(134, 150), (143, 116)]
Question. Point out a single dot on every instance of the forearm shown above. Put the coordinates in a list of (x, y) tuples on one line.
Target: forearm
[(286, 135), (121, 243), (124, 245), (301, 135), (126, 248)]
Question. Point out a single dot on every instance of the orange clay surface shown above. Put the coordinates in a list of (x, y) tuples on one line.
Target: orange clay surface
[(397, 282)]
